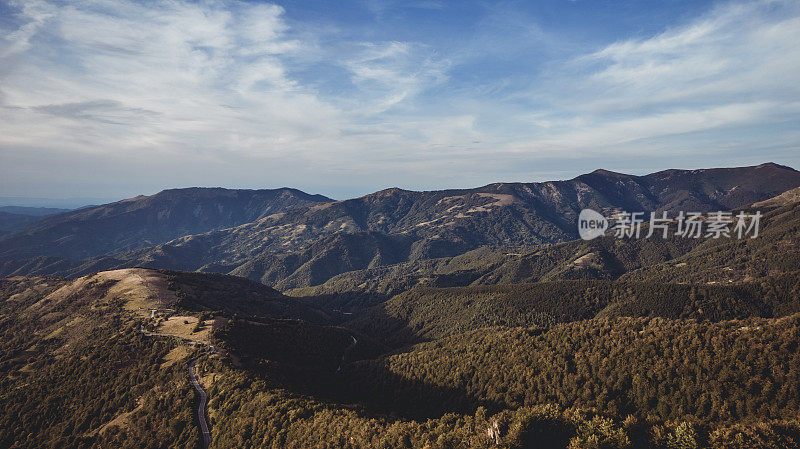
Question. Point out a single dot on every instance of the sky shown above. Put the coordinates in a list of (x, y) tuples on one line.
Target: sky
[(111, 99)]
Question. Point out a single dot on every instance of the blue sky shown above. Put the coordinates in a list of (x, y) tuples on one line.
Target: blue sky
[(109, 99)]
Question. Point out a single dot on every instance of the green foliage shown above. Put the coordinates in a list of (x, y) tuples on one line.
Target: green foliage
[(650, 368), (429, 313), (762, 435), (599, 433), (69, 368), (212, 293)]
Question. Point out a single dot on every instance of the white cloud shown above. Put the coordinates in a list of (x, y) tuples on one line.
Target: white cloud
[(736, 66), (394, 72), (213, 92), (166, 77)]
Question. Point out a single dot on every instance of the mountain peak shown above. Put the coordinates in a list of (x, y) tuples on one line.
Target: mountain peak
[(609, 173), (773, 165), (147, 220), (222, 191), (391, 191)]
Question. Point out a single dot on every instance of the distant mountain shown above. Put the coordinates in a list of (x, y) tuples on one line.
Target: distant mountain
[(71, 203), (146, 220), (308, 245), (305, 242), (773, 257), (15, 217), (10, 221), (696, 190), (33, 211)]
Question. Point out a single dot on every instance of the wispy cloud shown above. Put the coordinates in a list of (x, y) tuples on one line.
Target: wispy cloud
[(236, 93), (214, 73), (736, 66), (390, 73)]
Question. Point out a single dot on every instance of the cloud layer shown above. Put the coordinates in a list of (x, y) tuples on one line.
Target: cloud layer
[(130, 97)]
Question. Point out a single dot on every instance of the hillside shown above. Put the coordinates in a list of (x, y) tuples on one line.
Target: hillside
[(282, 375), (11, 221), (648, 368), (722, 261), (776, 251), (15, 217), (77, 368), (74, 362), (608, 343), (33, 211), (308, 245), (425, 313), (143, 221)]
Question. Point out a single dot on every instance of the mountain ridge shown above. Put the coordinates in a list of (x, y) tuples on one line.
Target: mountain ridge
[(146, 220), (309, 243), (393, 225)]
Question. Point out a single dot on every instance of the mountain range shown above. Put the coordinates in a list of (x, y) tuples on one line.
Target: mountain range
[(144, 220), (291, 239), (15, 217)]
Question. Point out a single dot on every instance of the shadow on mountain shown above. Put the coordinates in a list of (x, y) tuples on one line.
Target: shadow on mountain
[(337, 365), (379, 390), (372, 388), (347, 303)]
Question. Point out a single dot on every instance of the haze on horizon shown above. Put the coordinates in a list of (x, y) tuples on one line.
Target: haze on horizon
[(110, 99)]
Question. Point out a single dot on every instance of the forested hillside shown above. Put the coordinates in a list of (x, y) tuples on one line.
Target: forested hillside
[(432, 313), (76, 371), (77, 368), (572, 363), (651, 368)]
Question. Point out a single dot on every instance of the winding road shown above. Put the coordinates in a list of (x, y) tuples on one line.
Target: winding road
[(201, 409)]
